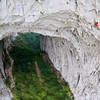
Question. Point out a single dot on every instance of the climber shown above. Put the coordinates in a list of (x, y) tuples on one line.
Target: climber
[(96, 23)]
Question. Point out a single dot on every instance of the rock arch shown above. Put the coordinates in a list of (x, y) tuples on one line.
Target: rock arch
[(68, 36)]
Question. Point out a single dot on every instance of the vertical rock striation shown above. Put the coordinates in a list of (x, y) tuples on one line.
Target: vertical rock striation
[(72, 40), (4, 91), (80, 67)]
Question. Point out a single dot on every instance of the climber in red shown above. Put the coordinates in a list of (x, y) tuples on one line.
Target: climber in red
[(96, 24)]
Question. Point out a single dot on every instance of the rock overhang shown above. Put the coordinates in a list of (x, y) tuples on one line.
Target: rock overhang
[(48, 17), (52, 25)]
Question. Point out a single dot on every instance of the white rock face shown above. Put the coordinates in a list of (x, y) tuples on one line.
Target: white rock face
[(4, 91), (44, 16), (73, 44), (80, 67)]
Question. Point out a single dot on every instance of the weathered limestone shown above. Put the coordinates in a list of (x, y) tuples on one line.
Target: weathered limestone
[(5, 93), (45, 16), (74, 45), (80, 67)]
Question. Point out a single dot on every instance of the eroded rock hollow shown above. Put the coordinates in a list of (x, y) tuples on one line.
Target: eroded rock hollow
[(70, 37)]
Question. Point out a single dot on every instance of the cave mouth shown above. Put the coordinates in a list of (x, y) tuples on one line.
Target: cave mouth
[(34, 75)]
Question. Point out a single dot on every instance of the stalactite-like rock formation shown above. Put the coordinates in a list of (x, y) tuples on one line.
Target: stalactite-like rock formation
[(72, 38)]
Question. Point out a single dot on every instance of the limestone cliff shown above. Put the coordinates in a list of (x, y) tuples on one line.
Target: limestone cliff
[(80, 67), (5, 93), (72, 40)]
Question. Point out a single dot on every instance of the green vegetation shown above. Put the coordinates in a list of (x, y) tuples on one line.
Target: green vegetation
[(28, 85)]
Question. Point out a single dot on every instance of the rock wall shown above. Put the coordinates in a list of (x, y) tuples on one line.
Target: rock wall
[(5, 93), (80, 67), (70, 21), (46, 16)]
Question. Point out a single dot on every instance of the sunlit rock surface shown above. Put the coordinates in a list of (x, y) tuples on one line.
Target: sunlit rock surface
[(72, 41), (79, 66), (44, 16)]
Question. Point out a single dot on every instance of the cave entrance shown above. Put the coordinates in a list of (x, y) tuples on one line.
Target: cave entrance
[(33, 75)]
